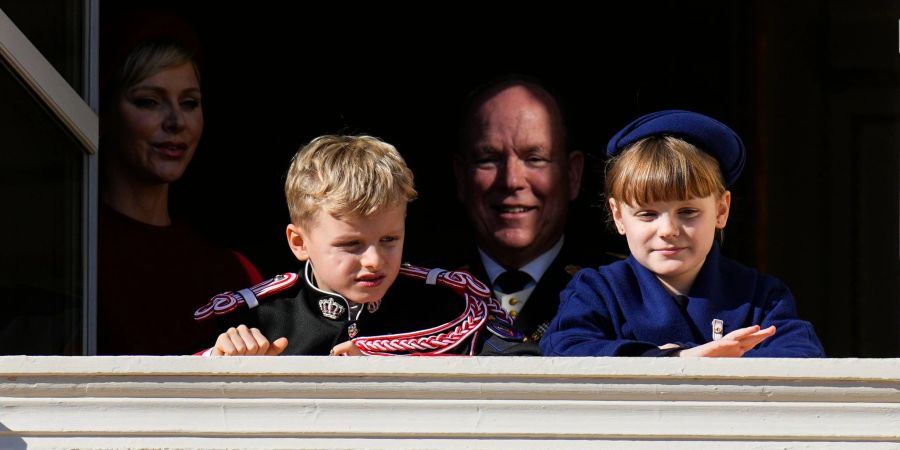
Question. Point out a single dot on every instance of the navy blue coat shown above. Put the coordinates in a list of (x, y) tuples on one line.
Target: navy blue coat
[(623, 310)]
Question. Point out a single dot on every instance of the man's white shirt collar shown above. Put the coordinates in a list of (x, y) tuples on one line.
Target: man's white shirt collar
[(535, 268)]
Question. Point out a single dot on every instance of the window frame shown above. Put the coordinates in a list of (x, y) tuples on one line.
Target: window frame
[(78, 116)]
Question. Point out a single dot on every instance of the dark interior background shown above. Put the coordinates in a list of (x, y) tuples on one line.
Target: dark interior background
[(811, 86)]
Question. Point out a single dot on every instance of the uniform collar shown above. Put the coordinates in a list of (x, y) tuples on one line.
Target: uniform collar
[(332, 305)]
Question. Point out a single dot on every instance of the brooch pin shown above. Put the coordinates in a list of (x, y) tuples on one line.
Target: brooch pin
[(718, 329), (331, 308)]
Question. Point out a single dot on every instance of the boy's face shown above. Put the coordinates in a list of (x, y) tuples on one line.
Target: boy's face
[(357, 257), (672, 239)]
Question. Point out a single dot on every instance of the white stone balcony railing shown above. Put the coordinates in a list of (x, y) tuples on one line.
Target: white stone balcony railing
[(449, 402)]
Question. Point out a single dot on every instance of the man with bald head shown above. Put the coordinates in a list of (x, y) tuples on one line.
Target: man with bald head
[(516, 178)]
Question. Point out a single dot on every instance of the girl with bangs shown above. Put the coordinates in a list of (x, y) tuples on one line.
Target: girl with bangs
[(676, 295)]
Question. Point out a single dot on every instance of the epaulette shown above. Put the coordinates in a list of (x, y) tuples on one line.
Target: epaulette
[(227, 302)]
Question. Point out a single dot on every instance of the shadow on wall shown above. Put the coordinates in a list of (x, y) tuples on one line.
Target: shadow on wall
[(9, 441)]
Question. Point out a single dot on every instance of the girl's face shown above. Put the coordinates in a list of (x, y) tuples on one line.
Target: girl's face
[(672, 239), (157, 125)]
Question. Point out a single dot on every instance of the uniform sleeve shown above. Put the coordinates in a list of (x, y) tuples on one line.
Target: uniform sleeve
[(585, 325), (794, 338)]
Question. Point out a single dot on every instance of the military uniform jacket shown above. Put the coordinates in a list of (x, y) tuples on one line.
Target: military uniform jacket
[(299, 315), (623, 310)]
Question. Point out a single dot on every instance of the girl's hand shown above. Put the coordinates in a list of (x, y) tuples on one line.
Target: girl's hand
[(732, 345)]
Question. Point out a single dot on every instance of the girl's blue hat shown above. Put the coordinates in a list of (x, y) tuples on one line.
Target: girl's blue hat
[(706, 133)]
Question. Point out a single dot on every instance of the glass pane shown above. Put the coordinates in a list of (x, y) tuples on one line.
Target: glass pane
[(55, 28), (40, 227)]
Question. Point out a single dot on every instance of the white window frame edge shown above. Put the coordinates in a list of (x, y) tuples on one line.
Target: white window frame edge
[(50, 87), (81, 120), (91, 186)]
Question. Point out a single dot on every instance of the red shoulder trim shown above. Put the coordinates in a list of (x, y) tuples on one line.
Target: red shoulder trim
[(227, 302)]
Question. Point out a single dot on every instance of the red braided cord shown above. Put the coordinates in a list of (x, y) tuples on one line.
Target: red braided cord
[(460, 280), (435, 341), (475, 317)]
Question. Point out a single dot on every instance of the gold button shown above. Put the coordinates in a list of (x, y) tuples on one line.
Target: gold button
[(513, 313), (513, 301)]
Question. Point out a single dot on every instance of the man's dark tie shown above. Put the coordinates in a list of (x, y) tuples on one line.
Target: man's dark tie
[(512, 281)]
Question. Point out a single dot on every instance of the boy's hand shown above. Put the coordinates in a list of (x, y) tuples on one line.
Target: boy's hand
[(346, 349), (733, 344), (243, 341)]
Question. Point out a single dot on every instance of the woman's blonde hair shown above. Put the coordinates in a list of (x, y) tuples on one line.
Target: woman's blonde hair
[(346, 175), (149, 58), (662, 168)]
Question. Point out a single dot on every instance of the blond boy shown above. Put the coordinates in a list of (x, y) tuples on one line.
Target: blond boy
[(347, 198)]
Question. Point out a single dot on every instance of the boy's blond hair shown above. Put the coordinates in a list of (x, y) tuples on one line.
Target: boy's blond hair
[(662, 168), (346, 175)]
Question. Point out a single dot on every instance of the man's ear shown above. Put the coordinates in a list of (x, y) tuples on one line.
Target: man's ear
[(576, 169), (723, 206), (459, 170), (297, 242), (616, 215)]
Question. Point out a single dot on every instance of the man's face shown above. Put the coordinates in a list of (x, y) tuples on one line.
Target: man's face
[(515, 178)]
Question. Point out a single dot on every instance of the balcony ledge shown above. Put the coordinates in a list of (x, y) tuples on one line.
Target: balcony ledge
[(447, 402)]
